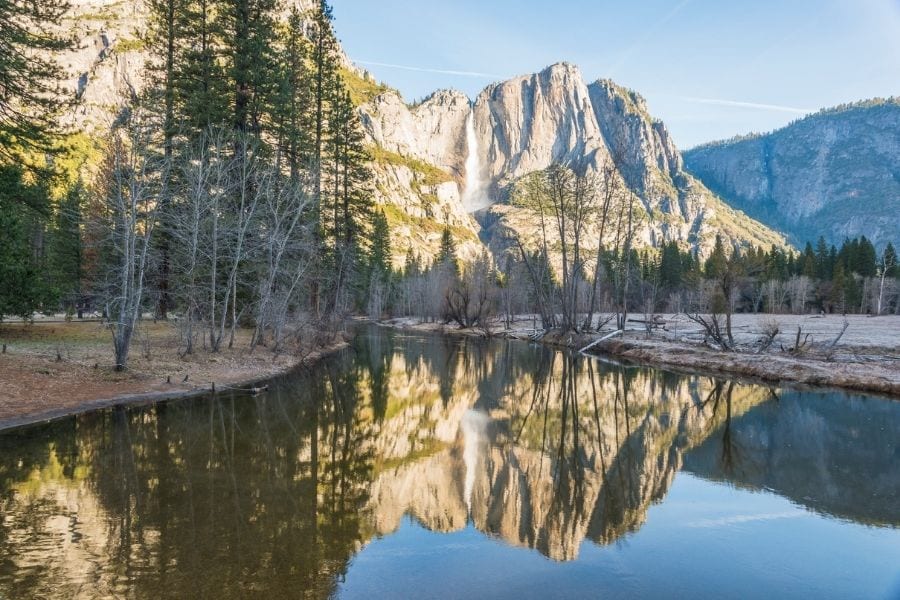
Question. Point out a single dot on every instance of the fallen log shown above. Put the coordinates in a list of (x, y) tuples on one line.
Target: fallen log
[(603, 339)]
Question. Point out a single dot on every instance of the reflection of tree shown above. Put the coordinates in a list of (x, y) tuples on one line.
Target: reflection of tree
[(227, 497), (266, 496)]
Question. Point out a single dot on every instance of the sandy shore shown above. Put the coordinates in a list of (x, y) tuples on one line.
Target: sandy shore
[(50, 370), (866, 358)]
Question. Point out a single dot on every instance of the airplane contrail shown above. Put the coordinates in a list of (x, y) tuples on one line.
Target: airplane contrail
[(429, 70), (753, 105)]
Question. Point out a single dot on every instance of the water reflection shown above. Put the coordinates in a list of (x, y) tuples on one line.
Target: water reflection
[(275, 494)]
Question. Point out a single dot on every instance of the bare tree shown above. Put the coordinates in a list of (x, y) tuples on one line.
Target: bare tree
[(286, 254), (612, 187), (130, 181), (472, 300)]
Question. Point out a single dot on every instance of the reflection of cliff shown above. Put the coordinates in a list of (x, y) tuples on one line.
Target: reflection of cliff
[(835, 454), (236, 497), (569, 453)]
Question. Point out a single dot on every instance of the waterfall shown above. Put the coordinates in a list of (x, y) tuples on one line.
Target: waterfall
[(475, 196), (474, 428)]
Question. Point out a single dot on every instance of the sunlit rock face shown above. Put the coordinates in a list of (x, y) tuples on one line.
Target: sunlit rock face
[(418, 168), (532, 121), (433, 130)]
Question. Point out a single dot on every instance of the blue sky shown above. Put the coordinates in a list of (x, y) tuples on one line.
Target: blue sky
[(709, 68)]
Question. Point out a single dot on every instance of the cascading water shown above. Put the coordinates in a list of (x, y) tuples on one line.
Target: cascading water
[(474, 427), (475, 196)]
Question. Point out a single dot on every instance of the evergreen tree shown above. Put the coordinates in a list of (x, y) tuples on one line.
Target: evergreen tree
[(291, 110), (824, 264), (866, 258), (250, 35), (808, 264), (670, 267), (447, 253), (380, 252), (30, 99), (889, 261), (21, 284), (67, 248), (201, 84), (717, 263)]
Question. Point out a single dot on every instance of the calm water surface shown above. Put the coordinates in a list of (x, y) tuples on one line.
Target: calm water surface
[(422, 466)]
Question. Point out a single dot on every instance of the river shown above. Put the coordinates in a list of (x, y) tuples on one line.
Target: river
[(415, 465)]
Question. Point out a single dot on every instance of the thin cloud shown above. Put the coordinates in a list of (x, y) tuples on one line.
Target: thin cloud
[(429, 70), (752, 105)]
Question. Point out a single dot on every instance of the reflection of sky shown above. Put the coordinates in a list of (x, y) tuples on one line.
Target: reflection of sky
[(704, 540)]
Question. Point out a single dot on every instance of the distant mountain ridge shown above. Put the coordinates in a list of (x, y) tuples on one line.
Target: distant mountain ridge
[(835, 173)]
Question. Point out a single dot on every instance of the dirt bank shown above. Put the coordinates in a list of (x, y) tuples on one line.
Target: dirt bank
[(51, 370), (866, 358)]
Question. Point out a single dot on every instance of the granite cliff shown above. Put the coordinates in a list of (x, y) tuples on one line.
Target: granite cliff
[(525, 124), (835, 173)]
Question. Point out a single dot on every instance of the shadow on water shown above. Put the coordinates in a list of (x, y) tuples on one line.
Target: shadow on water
[(274, 495)]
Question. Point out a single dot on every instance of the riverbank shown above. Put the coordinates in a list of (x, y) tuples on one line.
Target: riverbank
[(51, 370), (866, 358)]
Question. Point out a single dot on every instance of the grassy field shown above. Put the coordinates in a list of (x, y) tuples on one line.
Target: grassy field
[(49, 367)]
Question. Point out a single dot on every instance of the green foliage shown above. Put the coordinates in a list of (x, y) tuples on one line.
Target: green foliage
[(671, 266), (380, 251), (66, 247), (125, 45), (717, 263), (362, 89), (22, 288), (447, 253), (30, 99), (430, 174)]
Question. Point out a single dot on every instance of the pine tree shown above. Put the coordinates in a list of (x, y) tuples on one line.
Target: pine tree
[(670, 266), (201, 95), (21, 282), (824, 264), (291, 110), (30, 99), (717, 263), (67, 247), (250, 35), (808, 264), (866, 258), (380, 252), (447, 253), (889, 261)]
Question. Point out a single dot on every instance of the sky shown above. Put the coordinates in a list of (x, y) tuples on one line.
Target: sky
[(710, 69)]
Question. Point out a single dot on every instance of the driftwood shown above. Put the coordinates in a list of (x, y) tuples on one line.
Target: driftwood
[(603, 339), (841, 334), (798, 347)]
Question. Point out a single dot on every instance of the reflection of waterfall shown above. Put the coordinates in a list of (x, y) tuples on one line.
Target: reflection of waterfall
[(475, 196), (474, 426)]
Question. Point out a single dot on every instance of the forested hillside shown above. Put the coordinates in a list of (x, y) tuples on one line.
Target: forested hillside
[(233, 188), (835, 173)]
